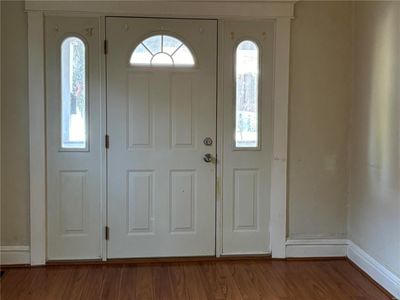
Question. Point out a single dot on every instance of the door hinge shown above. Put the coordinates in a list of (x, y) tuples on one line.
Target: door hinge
[(107, 141), (105, 47), (107, 233)]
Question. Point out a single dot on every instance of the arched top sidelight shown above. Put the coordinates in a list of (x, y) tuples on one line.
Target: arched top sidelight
[(162, 51), (74, 102), (247, 70)]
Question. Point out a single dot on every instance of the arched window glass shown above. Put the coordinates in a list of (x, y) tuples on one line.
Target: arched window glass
[(247, 102), (162, 50), (73, 94)]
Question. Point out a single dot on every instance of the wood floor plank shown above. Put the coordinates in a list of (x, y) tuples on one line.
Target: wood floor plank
[(203, 280), (194, 287), (128, 283), (111, 283), (177, 281), (76, 286), (93, 283), (161, 281), (144, 284), (245, 285)]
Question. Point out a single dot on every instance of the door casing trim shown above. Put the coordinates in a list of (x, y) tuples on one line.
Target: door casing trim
[(280, 12)]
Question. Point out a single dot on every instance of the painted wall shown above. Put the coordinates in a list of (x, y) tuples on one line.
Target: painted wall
[(320, 93), (374, 189), (14, 126)]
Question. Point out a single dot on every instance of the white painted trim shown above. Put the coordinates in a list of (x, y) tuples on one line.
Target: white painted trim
[(220, 141), (182, 9), (0, 111), (377, 271), (103, 108), (228, 254), (279, 163), (14, 255), (316, 248), (37, 160), (37, 116)]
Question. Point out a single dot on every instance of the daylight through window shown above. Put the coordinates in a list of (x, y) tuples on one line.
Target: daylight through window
[(247, 77), (162, 50), (73, 94)]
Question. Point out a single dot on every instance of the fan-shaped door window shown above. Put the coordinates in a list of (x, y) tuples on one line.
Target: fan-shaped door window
[(163, 51)]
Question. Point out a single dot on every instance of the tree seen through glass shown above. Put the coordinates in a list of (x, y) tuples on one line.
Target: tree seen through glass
[(246, 117), (73, 93)]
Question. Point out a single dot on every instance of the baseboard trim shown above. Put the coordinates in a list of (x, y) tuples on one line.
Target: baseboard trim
[(15, 255), (316, 248), (378, 272)]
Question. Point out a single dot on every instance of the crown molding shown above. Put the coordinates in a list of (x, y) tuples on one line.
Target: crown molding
[(219, 9)]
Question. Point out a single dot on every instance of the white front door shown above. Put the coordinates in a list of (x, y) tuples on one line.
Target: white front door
[(161, 122)]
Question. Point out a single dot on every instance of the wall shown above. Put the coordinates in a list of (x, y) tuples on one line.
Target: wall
[(320, 93), (374, 190), (320, 84), (14, 126), (320, 88)]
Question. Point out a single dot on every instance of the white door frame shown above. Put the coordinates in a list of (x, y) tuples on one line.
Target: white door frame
[(280, 12)]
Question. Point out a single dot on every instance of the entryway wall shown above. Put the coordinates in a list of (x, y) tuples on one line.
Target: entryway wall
[(15, 199), (312, 47)]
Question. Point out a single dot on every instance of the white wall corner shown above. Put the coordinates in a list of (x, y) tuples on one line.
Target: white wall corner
[(316, 248), (14, 255), (377, 271)]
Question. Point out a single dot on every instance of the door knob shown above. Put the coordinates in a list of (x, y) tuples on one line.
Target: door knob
[(208, 157)]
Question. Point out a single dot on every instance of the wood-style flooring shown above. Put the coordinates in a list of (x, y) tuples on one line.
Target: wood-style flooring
[(241, 279)]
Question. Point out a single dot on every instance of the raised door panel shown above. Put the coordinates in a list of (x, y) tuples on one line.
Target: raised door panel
[(246, 197), (140, 202), (182, 200), (140, 117), (181, 111), (73, 202)]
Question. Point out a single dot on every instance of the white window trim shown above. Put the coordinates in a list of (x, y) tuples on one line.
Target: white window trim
[(281, 12)]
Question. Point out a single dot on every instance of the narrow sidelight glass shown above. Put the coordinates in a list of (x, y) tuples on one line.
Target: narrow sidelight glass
[(74, 104), (247, 95)]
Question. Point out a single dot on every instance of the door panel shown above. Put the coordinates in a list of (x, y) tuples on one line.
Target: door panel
[(246, 171), (161, 193), (73, 141)]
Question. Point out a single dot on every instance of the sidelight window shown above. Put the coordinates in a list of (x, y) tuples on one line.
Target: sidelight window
[(247, 95), (74, 106)]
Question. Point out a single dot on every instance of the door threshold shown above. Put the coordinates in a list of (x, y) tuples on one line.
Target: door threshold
[(157, 260)]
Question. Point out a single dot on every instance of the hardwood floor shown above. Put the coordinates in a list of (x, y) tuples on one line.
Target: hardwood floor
[(245, 279)]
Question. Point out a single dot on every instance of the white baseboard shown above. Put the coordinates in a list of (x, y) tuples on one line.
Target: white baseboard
[(316, 248), (14, 255), (373, 268)]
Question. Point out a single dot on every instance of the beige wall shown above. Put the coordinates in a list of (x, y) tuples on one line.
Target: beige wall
[(14, 126), (374, 190), (320, 93), (321, 98)]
